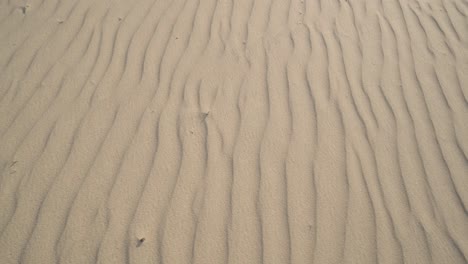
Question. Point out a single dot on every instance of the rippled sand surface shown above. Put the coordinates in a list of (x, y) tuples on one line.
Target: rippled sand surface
[(222, 131)]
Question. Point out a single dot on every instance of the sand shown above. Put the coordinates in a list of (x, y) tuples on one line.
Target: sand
[(247, 131)]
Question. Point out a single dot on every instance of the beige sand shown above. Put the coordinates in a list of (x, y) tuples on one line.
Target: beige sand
[(222, 131)]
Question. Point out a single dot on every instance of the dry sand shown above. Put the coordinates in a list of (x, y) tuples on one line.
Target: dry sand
[(222, 131)]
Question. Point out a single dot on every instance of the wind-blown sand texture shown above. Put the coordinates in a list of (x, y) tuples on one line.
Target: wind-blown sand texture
[(218, 131)]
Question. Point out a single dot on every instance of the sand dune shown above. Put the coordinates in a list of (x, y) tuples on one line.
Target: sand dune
[(216, 131)]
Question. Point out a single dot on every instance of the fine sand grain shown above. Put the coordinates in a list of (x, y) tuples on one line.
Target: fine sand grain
[(233, 131)]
